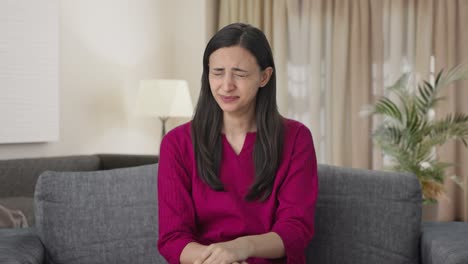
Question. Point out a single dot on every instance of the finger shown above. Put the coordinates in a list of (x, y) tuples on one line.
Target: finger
[(198, 261), (212, 258), (204, 256)]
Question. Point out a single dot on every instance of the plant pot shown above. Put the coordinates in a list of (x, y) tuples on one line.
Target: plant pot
[(429, 212)]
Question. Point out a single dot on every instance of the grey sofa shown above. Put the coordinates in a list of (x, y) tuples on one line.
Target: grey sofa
[(103, 209), (18, 176)]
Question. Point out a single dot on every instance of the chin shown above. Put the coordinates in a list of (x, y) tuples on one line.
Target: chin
[(228, 109)]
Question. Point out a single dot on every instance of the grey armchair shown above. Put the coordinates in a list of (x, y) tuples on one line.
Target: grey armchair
[(110, 216)]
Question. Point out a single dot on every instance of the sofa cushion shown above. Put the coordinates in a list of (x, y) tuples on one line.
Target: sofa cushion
[(20, 246), (366, 217), (99, 216)]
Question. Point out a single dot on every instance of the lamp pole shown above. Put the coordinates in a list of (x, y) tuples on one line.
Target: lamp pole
[(163, 121)]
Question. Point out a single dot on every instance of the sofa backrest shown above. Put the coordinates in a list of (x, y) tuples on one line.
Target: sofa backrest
[(366, 216), (106, 216), (362, 216), (18, 176)]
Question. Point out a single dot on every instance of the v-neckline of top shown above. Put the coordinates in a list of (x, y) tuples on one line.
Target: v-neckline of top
[(248, 141)]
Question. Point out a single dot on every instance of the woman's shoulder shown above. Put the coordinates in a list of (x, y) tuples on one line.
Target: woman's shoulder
[(179, 134), (297, 138), (293, 127)]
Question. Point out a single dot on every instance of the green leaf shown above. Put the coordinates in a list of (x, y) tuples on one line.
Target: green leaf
[(386, 107), (437, 79)]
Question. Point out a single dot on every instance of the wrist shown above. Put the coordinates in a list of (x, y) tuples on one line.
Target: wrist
[(191, 252), (247, 243)]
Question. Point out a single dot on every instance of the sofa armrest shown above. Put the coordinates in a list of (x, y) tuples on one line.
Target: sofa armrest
[(444, 243), (114, 161), (20, 246)]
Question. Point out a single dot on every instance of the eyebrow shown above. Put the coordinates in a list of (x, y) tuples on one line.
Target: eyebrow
[(234, 69)]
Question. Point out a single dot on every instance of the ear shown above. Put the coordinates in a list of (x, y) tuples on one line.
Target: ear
[(266, 75)]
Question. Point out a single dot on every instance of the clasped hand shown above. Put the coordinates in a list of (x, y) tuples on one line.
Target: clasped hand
[(230, 252)]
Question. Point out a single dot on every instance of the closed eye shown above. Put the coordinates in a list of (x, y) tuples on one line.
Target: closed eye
[(240, 72), (241, 76)]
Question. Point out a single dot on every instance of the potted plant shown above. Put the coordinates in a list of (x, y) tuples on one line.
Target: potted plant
[(409, 131)]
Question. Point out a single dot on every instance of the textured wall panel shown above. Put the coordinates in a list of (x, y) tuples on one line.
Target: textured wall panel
[(29, 71)]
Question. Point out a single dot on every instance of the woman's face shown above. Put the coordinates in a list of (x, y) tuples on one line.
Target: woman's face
[(235, 78)]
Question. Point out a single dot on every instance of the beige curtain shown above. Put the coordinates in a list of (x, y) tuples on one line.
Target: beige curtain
[(270, 16), (450, 47), (304, 69), (340, 54), (330, 76)]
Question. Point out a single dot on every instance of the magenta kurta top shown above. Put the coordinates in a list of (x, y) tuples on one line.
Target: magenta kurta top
[(189, 210)]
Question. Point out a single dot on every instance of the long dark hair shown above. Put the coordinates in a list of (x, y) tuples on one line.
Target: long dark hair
[(208, 118)]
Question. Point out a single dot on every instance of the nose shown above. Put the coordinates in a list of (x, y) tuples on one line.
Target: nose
[(228, 83)]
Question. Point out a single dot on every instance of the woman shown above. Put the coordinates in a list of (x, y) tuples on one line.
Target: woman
[(237, 184)]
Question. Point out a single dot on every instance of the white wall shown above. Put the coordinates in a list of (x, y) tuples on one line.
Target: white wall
[(106, 47)]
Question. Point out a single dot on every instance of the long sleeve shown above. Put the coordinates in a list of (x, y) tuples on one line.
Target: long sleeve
[(297, 197), (176, 211)]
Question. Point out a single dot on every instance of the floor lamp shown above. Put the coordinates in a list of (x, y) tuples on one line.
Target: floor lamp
[(164, 99)]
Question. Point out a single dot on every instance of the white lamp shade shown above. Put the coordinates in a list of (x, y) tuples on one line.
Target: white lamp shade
[(164, 98)]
